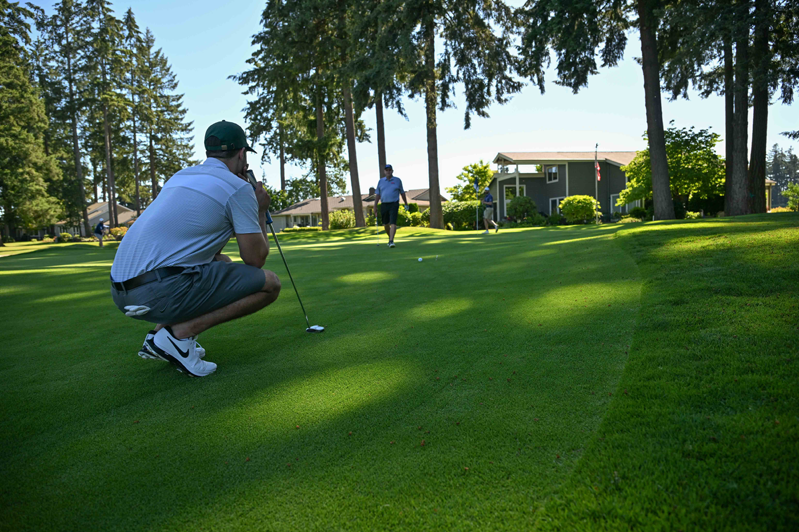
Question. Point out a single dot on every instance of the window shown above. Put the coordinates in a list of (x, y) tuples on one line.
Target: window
[(510, 193), (616, 208), (552, 174), (554, 205)]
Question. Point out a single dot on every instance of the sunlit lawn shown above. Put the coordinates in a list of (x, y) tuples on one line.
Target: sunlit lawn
[(482, 388)]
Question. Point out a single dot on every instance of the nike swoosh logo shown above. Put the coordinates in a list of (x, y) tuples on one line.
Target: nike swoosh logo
[(183, 353)]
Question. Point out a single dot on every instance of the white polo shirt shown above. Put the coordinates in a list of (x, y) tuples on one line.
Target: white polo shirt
[(193, 217)]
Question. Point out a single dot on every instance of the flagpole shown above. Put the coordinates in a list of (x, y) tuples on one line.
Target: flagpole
[(596, 183)]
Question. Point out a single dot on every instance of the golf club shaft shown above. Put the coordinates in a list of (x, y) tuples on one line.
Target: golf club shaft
[(274, 235)]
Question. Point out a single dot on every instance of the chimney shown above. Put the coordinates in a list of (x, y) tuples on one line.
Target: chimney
[(371, 191)]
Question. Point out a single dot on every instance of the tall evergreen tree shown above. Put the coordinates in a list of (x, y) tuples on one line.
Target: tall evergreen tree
[(132, 47), (66, 32), (579, 31), (732, 47), (163, 117), (25, 167), (107, 71), (476, 39)]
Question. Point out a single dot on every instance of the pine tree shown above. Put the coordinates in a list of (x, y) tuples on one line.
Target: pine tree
[(66, 33), (25, 167), (476, 54), (132, 47), (163, 117), (107, 70), (579, 31)]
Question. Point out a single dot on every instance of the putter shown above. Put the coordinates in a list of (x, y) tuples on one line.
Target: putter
[(311, 328), (377, 231)]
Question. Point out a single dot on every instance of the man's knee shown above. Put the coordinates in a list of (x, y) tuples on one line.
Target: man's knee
[(271, 283)]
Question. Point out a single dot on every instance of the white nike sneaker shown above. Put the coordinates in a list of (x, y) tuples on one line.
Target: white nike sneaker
[(148, 350), (181, 353)]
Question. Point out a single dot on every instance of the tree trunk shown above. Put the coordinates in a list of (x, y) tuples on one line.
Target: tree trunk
[(760, 97), (353, 157), (94, 181), (729, 117), (430, 97), (322, 170), (381, 135), (661, 193), (282, 158), (109, 170), (739, 192), (75, 147), (136, 164), (153, 180)]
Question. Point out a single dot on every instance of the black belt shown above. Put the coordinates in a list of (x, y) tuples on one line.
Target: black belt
[(147, 277)]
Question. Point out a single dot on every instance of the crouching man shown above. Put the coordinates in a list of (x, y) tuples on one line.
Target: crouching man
[(170, 270)]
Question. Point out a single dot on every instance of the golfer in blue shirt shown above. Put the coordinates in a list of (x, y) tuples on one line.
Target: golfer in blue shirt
[(389, 189), (488, 213)]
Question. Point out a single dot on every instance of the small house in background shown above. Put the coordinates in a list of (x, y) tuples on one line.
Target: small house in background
[(549, 177), (309, 212), (96, 211)]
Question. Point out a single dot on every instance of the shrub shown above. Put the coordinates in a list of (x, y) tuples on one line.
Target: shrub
[(416, 219), (579, 208), (460, 214), (8, 240), (413, 207), (555, 219), (46, 239), (521, 207), (301, 229), (638, 212), (629, 220), (449, 227), (342, 219), (616, 215), (691, 215), (79, 239), (64, 237), (371, 220), (118, 232), (792, 193), (426, 217), (650, 212), (781, 209)]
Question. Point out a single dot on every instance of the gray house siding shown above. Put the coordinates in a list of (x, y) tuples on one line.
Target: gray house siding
[(549, 191), (581, 181)]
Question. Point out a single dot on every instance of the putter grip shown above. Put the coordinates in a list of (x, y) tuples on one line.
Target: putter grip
[(253, 182)]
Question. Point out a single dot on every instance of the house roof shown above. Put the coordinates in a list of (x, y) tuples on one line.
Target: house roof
[(420, 196), (100, 210), (536, 157)]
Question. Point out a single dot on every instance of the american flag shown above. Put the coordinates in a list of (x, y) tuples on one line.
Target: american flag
[(598, 177)]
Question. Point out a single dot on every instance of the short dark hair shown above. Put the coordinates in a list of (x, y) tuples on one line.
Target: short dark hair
[(218, 154)]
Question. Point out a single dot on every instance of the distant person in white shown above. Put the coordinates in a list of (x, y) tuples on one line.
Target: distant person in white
[(170, 270)]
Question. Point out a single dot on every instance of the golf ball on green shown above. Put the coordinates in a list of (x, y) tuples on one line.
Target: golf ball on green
[(420, 259)]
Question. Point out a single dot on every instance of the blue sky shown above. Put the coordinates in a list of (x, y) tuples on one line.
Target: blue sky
[(207, 41)]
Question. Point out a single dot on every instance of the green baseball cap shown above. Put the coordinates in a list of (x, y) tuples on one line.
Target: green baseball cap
[(224, 136)]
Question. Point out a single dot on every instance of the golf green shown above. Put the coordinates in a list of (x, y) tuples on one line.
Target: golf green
[(471, 390)]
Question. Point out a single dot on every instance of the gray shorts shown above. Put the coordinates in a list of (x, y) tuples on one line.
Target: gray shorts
[(488, 214), (197, 291)]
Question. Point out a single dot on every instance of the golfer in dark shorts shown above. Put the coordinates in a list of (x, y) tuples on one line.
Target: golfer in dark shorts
[(389, 189), (170, 270)]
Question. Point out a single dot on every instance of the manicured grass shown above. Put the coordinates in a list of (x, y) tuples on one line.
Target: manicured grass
[(506, 355)]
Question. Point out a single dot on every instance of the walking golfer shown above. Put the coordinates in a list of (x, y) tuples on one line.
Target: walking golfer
[(488, 213), (389, 189), (170, 270), (99, 229)]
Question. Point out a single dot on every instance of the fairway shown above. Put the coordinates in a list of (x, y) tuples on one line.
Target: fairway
[(553, 378)]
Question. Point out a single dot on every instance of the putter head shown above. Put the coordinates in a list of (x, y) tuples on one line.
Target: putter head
[(315, 329)]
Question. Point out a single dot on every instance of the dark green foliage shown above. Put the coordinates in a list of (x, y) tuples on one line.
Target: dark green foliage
[(25, 166), (461, 214), (638, 212), (521, 207)]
